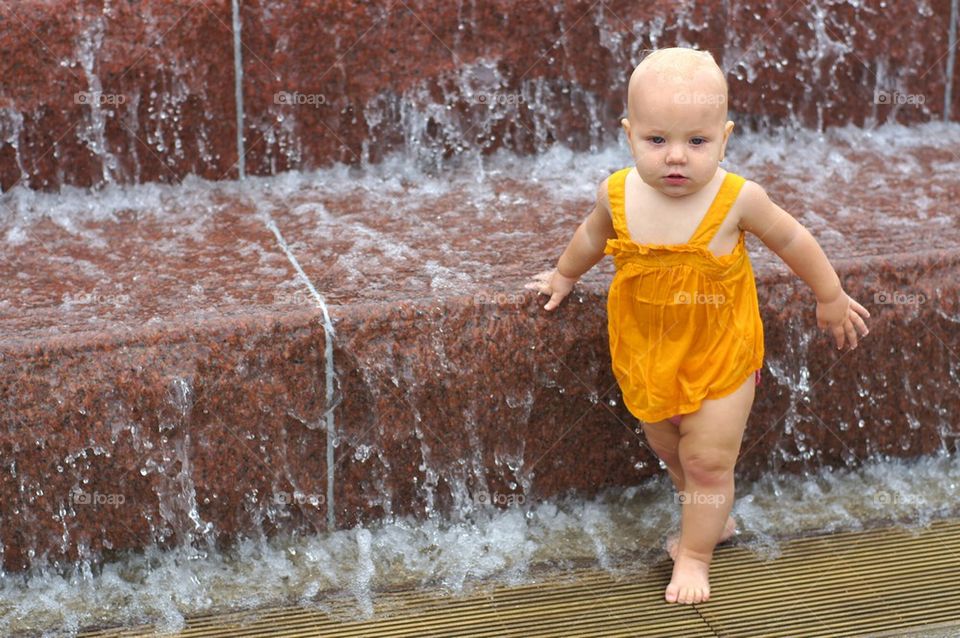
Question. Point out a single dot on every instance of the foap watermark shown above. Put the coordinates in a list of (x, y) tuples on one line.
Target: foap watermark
[(499, 298), (99, 98), (298, 498), (684, 297), (293, 298), (885, 498), (499, 99), (699, 498), (295, 98), (698, 97), (899, 298), (497, 498), (897, 98), (91, 298), (79, 497)]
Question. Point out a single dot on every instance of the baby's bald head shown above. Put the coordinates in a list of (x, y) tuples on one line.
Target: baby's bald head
[(676, 123), (693, 76)]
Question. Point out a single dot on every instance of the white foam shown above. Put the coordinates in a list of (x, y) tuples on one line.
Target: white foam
[(395, 186), (618, 528)]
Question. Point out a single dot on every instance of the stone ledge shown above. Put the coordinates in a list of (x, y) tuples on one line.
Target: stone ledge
[(438, 402), (452, 380)]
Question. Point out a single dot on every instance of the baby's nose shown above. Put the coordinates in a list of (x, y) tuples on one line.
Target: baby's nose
[(676, 155)]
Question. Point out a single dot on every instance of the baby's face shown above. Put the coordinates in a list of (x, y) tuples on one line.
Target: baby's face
[(678, 133)]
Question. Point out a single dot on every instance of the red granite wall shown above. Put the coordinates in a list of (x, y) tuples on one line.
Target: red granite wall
[(201, 433), (348, 81), (199, 408)]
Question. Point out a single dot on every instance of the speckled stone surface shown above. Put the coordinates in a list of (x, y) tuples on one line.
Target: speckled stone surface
[(164, 351), (163, 373), (98, 91), (346, 81)]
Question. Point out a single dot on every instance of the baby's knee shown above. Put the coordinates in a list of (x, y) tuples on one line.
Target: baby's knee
[(707, 467), (663, 445), (669, 453)]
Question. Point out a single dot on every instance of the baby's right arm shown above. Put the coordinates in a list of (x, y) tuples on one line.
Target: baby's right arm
[(837, 312), (582, 253)]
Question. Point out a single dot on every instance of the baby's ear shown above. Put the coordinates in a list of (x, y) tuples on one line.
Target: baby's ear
[(727, 128), (625, 123)]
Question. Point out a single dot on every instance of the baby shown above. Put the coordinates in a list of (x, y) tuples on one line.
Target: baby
[(686, 340)]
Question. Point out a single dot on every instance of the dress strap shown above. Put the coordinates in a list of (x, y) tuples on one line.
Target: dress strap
[(615, 190), (718, 210)]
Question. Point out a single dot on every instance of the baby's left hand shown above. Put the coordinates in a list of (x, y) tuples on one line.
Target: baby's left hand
[(844, 318), (552, 284)]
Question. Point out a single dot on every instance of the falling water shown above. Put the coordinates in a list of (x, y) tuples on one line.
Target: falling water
[(457, 116), (403, 193), (620, 530), (951, 58), (238, 88), (94, 132), (329, 336), (327, 324), (459, 551)]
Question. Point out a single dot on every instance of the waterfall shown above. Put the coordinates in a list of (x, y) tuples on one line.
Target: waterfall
[(951, 59), (238, 87)]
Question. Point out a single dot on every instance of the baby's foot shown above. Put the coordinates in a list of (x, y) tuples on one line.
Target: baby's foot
[(673, 541), (690, 582)]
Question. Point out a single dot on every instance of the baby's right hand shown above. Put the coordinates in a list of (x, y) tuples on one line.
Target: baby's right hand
[(551, 282), (843, 317)]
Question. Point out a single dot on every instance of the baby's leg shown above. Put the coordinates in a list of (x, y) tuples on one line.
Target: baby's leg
[(663, 438), (709, 444)]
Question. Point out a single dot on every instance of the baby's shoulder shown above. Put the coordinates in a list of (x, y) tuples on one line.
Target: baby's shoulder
[(751, 195), (603, 194), (751, 200), (750, 189), (603, 190)]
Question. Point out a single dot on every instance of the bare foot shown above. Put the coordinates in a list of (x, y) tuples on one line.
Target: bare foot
[(690, 583), (673, 541)]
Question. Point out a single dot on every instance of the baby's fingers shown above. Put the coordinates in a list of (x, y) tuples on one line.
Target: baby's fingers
[(859, 323), (555, 300), (860, 309), (838, 335), (851, 333), (543, 275), (541, 282)]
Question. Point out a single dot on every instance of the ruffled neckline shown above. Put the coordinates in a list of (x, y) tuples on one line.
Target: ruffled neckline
[(629, 247)]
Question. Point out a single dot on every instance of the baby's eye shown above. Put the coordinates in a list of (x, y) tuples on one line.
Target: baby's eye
[(697, 141), (656, 139)]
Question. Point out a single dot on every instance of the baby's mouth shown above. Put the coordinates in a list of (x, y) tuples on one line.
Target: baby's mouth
[(675, 178)]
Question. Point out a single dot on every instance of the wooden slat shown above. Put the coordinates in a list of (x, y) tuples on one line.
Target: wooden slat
[(880, 582)]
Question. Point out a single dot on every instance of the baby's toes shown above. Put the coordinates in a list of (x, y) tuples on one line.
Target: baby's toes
[(672, 594)]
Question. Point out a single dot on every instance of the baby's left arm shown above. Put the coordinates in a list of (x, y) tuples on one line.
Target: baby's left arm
[(784, 235)]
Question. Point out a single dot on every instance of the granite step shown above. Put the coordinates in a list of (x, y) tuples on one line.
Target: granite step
[(164, 366)]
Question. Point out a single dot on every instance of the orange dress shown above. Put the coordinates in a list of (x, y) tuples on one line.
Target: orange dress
[(684, 324)]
